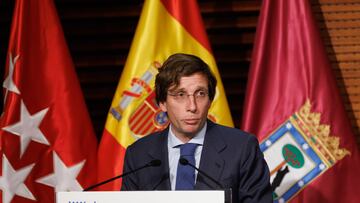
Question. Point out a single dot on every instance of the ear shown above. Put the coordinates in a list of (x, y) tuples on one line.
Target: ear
[(163, 106)]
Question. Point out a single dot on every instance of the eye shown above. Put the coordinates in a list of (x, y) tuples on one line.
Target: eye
[(180, 94), (201, 93)]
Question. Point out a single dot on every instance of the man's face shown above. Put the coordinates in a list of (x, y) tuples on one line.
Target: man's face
[(187, 106)]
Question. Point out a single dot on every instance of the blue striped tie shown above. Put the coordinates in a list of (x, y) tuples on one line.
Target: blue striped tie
[(185, 177)]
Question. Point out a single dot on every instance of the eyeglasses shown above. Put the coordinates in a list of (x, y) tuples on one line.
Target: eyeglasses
[(182, 96)]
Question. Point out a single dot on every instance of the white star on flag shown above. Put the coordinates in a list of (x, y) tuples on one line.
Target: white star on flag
[(28, 128), (12, 182), (63, 178), (9, 84)]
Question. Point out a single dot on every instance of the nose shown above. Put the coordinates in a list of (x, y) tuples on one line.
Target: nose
[(191, 105)]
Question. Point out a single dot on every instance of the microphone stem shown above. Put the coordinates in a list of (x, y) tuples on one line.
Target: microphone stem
[(206, 175), (113, 178)]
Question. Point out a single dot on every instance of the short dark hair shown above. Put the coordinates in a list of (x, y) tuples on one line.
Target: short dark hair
[(177, 66)]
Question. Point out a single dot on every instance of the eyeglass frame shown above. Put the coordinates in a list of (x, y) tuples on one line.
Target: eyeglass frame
[(182, 98)]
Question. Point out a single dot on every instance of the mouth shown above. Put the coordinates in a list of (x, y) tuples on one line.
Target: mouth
[(191, 121)]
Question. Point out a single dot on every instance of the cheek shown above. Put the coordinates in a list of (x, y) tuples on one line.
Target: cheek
[(207, 106), (174, 111)]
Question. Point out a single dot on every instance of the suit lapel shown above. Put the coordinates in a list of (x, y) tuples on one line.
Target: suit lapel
[(161, 174), (211, 162)]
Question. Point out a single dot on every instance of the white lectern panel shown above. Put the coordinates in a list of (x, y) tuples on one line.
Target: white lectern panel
[(141, 196)]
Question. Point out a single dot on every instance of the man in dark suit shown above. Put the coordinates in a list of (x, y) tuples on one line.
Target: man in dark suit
[(185, 88)]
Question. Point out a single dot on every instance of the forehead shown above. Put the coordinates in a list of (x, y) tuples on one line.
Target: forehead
[(192, 82)]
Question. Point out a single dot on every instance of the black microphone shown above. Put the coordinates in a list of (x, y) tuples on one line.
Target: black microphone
[(185, 162), (152, 163)]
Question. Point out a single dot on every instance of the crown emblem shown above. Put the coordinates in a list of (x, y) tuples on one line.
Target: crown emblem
[(300, 150), (319, 135)]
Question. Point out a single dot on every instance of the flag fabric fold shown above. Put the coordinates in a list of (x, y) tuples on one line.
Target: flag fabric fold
[(47, 140), (165, 27), (292, 104)]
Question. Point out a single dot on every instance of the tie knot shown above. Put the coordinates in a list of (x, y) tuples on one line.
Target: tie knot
[(188, 149)]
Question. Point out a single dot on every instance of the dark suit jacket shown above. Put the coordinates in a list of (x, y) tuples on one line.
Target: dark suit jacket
[(230, 156)]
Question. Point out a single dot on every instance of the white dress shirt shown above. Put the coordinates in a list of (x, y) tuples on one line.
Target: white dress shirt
[(174, 152)]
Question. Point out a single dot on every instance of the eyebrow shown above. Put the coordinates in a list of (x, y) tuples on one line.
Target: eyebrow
[(184, 90)]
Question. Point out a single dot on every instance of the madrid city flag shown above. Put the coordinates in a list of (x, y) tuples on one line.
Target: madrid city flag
[(47, 140), (294, 107), (165, 27)]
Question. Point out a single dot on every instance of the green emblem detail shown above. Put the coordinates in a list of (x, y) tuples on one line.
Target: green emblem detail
[(293, 156)]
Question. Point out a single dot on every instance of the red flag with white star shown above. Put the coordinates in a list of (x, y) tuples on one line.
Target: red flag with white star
[(47, 140)]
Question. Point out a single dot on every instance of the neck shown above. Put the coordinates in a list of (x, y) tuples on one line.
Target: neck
[(184, 138)]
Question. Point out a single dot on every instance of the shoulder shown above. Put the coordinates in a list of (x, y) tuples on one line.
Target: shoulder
[(149, 140), (230, 134)]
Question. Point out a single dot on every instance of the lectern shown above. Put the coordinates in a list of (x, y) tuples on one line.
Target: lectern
[(142, 196)]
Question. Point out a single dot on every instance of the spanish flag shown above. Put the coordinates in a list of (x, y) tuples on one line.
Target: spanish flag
[(165, 27)]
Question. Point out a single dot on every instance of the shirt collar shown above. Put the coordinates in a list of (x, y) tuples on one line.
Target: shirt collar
[(197, 139)]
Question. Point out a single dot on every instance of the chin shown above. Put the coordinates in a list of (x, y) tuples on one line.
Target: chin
[(192, 131)]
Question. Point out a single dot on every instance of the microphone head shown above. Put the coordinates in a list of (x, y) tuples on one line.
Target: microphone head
[(183, 161), (155, 162)]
